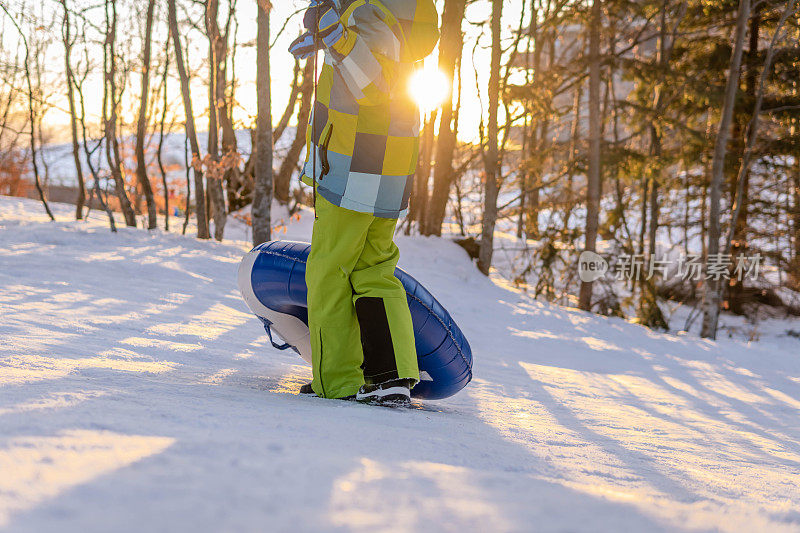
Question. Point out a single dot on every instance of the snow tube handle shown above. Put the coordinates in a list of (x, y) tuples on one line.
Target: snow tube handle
[(284, 346)]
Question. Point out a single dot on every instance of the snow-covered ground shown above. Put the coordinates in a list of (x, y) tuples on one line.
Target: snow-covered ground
[(138, 394)]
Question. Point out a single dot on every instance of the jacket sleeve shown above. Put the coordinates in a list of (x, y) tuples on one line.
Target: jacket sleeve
[(367, 56)]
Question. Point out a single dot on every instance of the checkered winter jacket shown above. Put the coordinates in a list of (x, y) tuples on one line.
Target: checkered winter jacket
[(364, 127)]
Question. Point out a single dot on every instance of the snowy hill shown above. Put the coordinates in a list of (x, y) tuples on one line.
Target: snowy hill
[(138, 394)]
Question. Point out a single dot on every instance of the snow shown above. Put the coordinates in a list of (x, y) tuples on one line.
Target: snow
[(138, 394)]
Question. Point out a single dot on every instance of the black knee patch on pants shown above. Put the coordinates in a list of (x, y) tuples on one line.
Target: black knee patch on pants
[(376, 340)]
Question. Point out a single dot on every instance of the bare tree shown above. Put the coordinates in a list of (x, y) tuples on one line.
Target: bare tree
[(298, 82), (110, 105), (141, 127), (262, 195), (450, 45), (96, 192), (73, 119), (795, 215), (238, 186), (528, 130), (191, 132), (31, 114), (593, 186), (289, 164), (794, 193), (8, 153), (187, 165), (419, 194), (162, 123), (216, 172), (713, 288), (491, 155)]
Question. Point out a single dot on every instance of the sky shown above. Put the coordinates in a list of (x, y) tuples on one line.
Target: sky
[(284, 13)]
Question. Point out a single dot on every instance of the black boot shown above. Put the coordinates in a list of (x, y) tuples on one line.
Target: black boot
[(392, 393)]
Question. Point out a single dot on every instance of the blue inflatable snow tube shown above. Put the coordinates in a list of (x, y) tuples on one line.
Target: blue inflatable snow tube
[(272, 281)]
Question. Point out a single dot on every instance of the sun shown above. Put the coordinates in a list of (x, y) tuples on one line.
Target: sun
[(429, 87)]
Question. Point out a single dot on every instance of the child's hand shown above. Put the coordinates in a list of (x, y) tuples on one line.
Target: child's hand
[(304, 46), (321, 17)]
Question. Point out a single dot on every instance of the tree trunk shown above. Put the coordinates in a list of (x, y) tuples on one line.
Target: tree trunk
[(533, 181), (237, 191), (735, 290), (110, 114), (703, 216), (794, 185), (419, 195), (539, 134), (283, 179), (649, 312), (141, 126), (216, 99), (712, 296), (491, 160), (32, 119), (262, 195), (523, 175), (31, 113), (162, 122), (593, 185), (574, 143), (96, 182), (687, 205), (528, 124), (739, 215), (654, 216), (191, 132), (795, 271), (645, 190), (187, 165), (288, 111), (450, 46), (73, 118)]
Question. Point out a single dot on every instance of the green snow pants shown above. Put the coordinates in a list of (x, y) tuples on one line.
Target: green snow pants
[(357, 309)]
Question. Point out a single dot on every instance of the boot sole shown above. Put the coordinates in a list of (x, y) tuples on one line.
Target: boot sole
[(391, 397)]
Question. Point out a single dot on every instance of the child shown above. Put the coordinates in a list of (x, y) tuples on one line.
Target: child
[(363, 137)]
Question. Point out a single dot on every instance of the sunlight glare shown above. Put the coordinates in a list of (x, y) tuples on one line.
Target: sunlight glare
[(429, 87)]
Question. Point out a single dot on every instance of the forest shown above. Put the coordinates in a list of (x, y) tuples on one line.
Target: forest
[(661, 135)]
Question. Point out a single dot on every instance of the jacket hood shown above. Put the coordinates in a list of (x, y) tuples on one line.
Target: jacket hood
[(420, 23)]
